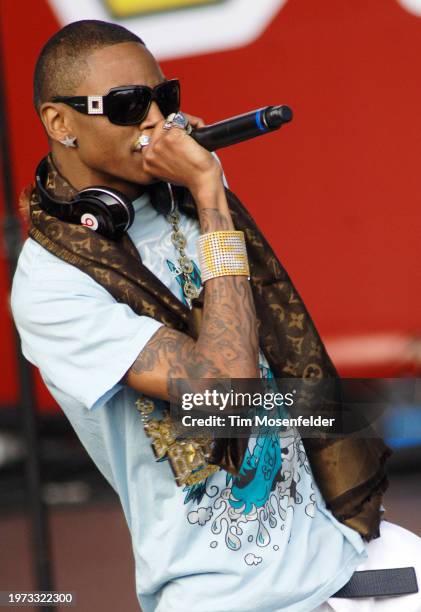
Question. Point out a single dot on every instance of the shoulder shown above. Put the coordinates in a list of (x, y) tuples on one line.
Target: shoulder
[(37, 264), (40, 277)]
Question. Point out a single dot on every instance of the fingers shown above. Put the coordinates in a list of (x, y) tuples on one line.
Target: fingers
[(196, 122), (174, 157), (164, 156), (160, 134)]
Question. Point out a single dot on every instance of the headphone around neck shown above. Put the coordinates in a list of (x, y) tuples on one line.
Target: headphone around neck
[(102, 209), (106, 211)]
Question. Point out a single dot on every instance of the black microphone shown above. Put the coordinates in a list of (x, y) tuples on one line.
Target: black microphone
[(242, 127)]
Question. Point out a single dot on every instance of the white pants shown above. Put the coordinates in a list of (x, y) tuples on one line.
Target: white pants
[(396, 547)]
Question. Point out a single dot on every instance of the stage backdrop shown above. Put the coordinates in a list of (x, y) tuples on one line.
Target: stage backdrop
[(336, 192)]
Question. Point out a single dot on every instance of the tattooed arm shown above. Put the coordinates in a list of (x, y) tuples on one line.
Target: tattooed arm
[(227, 346)]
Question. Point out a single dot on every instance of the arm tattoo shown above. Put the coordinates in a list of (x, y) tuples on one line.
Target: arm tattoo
[(212, 220), (227, 346)]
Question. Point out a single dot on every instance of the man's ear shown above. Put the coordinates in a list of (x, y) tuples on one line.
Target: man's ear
[(56, 121)]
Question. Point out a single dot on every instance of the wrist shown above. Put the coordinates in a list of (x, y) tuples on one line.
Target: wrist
[(207, 186), (213, 211)]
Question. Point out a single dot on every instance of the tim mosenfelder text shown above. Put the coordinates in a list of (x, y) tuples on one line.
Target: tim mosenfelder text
[(268, 401)]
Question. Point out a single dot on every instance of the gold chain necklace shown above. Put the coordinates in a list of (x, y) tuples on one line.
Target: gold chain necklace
[(179, 241)]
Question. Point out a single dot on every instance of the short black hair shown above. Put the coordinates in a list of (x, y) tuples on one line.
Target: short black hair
[(61, 64)]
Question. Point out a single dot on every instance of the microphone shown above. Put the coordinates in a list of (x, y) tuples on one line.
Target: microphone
[(242, 127)]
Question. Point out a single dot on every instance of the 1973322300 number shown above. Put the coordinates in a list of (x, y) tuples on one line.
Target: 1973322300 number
[(36, 597)]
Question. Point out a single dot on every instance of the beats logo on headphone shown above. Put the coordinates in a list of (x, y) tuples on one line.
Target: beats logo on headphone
[(106, 211), (90, 221)]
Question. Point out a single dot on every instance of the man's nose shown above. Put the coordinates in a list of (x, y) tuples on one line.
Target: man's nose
[(153, 117)]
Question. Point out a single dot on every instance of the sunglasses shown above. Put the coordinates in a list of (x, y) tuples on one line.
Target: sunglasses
[(130, 104)]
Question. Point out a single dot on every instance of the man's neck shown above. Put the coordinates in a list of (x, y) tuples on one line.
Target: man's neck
[(57, 185)]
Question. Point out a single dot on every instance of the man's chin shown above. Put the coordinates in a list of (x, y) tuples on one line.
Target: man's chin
[(131, 186), (140, 179)]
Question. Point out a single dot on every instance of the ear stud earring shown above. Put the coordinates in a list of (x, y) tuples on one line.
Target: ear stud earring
[(69, 141)]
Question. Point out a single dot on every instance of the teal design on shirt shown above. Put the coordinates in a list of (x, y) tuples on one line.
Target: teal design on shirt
[(258, 472)]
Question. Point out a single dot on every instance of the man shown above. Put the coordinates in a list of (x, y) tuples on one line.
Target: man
[(249, 532)]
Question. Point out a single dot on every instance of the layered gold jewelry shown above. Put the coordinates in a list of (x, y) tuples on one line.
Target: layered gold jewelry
[(188, 457), (222, 254)]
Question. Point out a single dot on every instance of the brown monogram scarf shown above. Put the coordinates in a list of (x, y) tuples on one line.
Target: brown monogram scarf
[(348, 470)]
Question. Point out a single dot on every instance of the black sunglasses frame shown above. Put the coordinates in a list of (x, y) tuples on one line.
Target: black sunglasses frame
[(101, 105)]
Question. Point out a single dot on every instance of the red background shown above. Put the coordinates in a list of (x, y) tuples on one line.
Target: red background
[(335, 192)]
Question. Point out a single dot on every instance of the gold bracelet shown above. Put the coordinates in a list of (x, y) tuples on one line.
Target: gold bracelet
[(222, 254)]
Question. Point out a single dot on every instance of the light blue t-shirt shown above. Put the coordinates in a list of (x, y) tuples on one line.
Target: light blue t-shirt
[(262, 542)]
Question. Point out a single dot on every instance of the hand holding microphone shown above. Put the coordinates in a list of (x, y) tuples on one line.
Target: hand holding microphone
[(159, 161), (173, 157)]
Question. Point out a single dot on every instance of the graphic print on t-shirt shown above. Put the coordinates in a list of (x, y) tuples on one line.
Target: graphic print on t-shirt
[(243, 517), (252, 509)]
